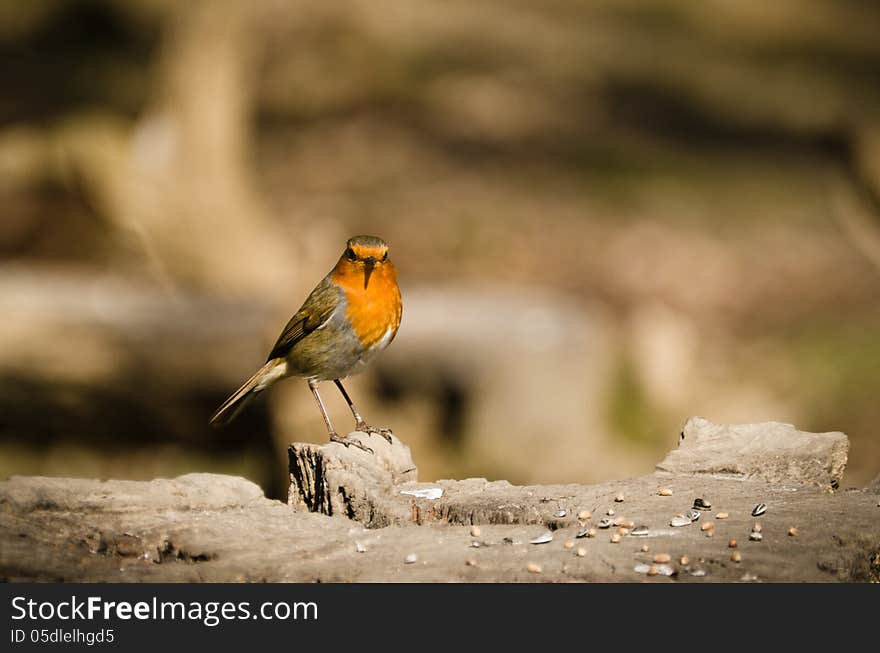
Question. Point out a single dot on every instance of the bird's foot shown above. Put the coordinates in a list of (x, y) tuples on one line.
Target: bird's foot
[(363, 427), (349, 442)]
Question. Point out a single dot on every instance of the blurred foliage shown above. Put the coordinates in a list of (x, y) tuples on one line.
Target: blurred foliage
[(701, 181)]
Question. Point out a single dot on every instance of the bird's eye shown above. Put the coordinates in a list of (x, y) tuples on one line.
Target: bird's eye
[(384, 257), (350, 255)]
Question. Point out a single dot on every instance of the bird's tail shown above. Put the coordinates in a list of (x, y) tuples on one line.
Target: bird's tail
[(271, 372)]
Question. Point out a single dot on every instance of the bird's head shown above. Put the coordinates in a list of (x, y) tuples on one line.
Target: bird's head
[(362, 256)]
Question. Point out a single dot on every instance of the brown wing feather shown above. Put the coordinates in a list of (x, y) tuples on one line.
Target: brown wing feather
[(315, 311)]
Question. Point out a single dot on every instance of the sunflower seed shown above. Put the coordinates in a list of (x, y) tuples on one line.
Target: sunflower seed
[(722, 515), (680, 520), (644, 548), (732, 544), (755, 536), (605, 523), (425, 493), (584, 515), (619, 498), (533, 568), (707, 527), (581, 552), (542, 539), (736, 556), (615, 538), (662, 558), (702, 504), (475, 531), (569, 544), (758, 510), (793, 532), (410, 559), (560, 514), (652, 571), (610, 512), (639, 531), (693, 515), (664, 491), (684, 561)]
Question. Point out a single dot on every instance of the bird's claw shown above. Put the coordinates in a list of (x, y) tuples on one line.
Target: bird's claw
[(350, 442), (363, 427)]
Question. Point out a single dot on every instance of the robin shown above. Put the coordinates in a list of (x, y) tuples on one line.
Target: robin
[(352, 315)]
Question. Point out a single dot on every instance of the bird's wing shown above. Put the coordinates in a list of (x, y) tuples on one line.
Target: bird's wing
[(315, 312)]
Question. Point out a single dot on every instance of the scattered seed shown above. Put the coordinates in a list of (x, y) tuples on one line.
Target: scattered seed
[(586, 531), (736, 556), (410, 559), (693, 515), (639, 531), (360, 548), (702, 504), (793, 532), (619, 498), (698, 572), (615, 538), (475, 531), (722, 515), (605, 523), (610, 512), (732, 544), (684, 561), (584, 515), (581, 552), (543, 538), (708, 526), (470, 562), (680, 520), (758, 510), (757, 527), (560, 514), (664, 492), (533, 568), (569, 544), (644, 548), (755, 536), (662, 558)]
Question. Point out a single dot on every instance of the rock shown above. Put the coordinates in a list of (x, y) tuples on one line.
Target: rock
[(774, 452)]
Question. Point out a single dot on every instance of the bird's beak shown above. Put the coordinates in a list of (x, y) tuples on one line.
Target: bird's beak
[(369, 264)]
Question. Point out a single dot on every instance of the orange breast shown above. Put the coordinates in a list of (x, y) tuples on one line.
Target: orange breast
[(374, 312)]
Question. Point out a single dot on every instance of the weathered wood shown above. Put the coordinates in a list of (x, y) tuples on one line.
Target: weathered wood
[(203, 527)]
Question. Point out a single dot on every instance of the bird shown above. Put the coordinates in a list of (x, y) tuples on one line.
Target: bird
[(352, 314)]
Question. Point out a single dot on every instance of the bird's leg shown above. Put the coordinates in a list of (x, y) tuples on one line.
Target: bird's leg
[(360, 424), (334, 436)]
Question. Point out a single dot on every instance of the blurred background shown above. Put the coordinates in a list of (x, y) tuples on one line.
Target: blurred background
[(607, 216)]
